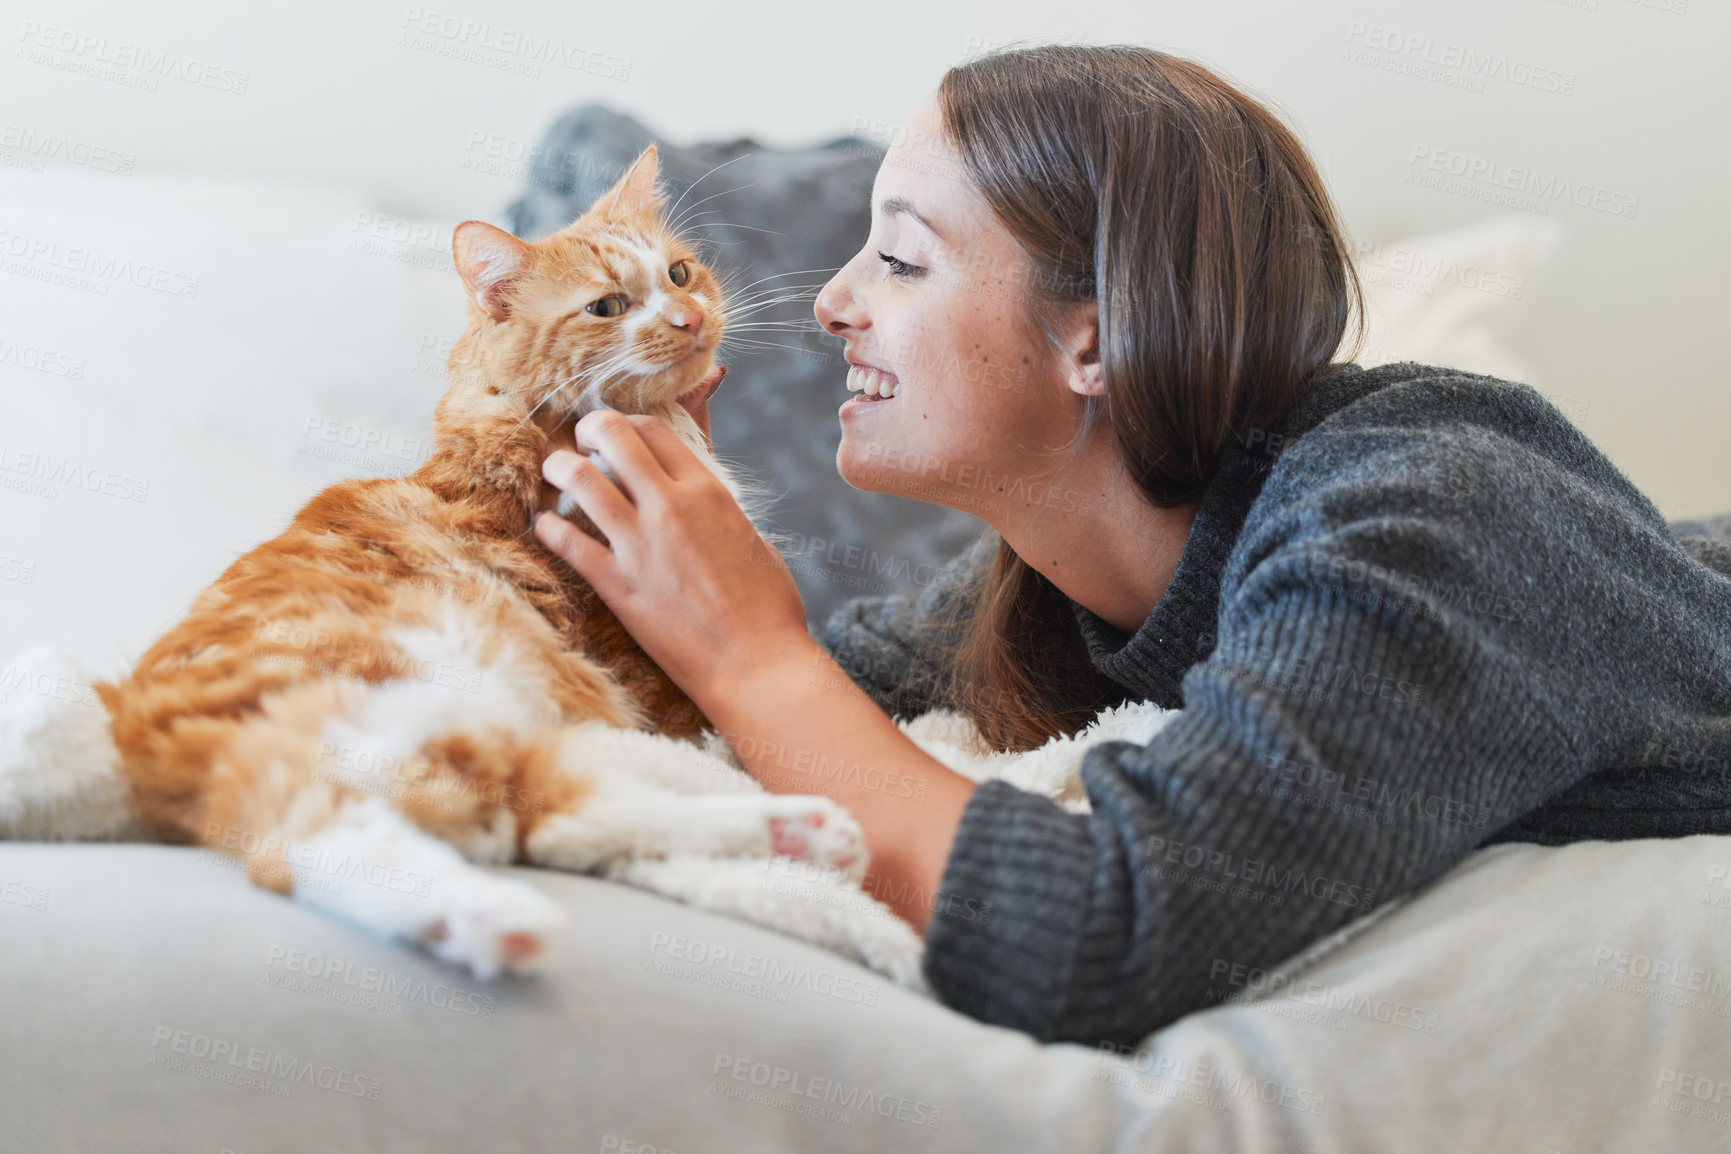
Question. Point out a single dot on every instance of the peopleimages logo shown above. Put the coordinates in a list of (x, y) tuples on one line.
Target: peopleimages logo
[(1432, 269), (46, 684), (1532, 190), (784, 1089), (366, 442), (1214, 1086), (1475, 63), (1157, 852), (99, 56), (40, 359), (340, 980), (762, 968), (22, 894), (170, 1049), (90, 269), (503, 47), (1331, 999), (321, 862), (58, 146)]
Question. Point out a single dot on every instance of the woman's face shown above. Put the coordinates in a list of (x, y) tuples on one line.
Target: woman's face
[(936, 305)]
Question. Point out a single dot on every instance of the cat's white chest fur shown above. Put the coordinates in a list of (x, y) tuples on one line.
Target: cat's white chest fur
[(682, 423)]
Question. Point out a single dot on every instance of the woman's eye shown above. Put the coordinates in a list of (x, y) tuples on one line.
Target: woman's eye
[(610, 306), (680, 273), (899, 267)]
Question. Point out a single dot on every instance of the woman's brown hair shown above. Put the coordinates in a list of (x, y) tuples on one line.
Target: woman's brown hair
[(1224, 282)]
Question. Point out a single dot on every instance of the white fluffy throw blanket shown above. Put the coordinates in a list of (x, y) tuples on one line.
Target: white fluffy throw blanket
[(60, 781)]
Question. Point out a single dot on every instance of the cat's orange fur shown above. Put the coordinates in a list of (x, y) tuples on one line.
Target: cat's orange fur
[(218, 725)]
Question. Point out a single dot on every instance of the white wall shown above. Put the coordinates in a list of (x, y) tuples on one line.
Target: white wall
[(1628, 325)]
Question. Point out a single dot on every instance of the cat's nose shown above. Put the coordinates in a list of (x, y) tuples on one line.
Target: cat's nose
[(691, 322)]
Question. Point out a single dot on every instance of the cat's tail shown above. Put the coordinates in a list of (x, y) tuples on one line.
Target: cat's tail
[(60, 774)]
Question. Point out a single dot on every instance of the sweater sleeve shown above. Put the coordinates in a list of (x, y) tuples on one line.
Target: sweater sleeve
[(1353, 734), (898, 649)]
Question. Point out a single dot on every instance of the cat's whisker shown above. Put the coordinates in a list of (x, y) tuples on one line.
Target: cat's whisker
[(701, 179), (763, 315), (757, 317), (759, 338), (731, 224), (618, 364), (790, 272), (700, 215), (747, 345), (751, 308), (596, 375), (527, 417), (734, 294), (768, 341), (778, 326), (742, 309), (784, 292), (735, 298), (673, 225)]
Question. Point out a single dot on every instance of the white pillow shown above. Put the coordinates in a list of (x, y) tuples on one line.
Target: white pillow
[(183, 363), (1457, 297)]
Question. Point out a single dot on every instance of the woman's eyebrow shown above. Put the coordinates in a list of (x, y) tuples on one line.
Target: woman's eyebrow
[(896, 204)]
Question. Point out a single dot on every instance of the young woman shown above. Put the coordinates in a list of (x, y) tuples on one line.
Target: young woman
[(1406, 611)]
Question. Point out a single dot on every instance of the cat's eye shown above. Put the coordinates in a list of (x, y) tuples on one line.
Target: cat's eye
[(680, 273), (609, 306)]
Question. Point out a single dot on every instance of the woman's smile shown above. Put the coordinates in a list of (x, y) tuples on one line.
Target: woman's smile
[(871, 382), (868, 386)]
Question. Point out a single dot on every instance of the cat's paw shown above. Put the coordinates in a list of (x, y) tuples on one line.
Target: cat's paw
[(819, 831), (490, 925)]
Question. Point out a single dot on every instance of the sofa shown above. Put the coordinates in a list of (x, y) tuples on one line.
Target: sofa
[(1533, 999)]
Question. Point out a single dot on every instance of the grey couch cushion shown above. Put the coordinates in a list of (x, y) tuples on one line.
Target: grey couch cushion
[(1707, 539), (1715, 528), (795, 215), (1533, 999)]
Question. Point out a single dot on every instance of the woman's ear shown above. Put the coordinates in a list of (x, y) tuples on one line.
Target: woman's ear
[(1079, 338)]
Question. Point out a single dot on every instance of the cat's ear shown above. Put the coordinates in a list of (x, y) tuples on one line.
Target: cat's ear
[(489, 260), (634, 195)]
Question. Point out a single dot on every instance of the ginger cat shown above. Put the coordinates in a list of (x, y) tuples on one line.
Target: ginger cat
[(406, 681)]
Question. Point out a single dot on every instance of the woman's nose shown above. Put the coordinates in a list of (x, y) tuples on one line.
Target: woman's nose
[(837, 308)]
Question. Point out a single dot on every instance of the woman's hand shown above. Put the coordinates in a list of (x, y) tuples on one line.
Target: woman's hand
[(683, 569), (713, 605)]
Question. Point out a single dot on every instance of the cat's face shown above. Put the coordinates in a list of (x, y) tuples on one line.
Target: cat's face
[(614, 309)]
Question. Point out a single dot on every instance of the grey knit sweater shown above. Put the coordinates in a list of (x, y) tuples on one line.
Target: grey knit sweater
[(1423, 615)]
